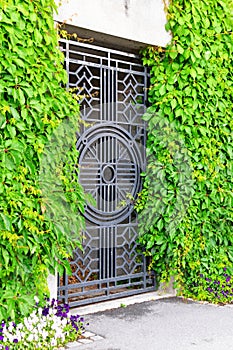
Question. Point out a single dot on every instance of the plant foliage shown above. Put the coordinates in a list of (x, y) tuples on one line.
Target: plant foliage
[(33, 104), (46, 328), (186, 209)]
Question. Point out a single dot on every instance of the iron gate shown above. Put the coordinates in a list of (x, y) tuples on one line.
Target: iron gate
[(111, 158)]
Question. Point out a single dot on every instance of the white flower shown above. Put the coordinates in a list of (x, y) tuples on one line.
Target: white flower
[(18, 335), (64, 322), (53, 342), (36, 338), (30, 338), (36, 299), (9, 337), (10, 328), (33, 314), (44, 334)]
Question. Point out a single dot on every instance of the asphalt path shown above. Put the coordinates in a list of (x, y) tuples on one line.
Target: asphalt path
[(165, 324)]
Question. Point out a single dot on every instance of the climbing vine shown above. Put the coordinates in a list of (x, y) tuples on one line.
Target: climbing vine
[(186, 207), (35, 214)]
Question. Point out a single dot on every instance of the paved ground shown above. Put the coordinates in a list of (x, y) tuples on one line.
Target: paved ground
[(166, 324)]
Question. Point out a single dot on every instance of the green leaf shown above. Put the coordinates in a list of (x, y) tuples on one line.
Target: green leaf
[(173, 52), (11, 130), (180, 49), (17, 146), (174, 103), (162, 90), (160, 240), (8, 161), (193, 73), (15, 113), (2, 121), (160, 225), (6, 258), (5, 222)]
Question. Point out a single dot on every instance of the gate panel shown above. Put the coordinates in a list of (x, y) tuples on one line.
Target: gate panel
[(111, 148)]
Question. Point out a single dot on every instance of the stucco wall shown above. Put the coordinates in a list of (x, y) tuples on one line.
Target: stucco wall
[(139, 20)]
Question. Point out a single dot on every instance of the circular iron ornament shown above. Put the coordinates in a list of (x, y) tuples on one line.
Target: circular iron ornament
[(110, 163)]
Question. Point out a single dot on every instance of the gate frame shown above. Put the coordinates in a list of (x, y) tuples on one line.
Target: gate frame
[(148, 280)]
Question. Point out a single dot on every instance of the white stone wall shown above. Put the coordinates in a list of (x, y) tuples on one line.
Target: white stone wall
[(139, 20), (52, 285)]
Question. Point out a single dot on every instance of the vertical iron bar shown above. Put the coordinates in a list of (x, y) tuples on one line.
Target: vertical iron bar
[(107, 252), (100, 252), (105, 95), (104, 252), (67, 62), (112, 97), (101, 90), (114, 166)]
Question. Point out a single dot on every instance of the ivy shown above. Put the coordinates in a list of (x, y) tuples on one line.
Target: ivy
[(186, 207), (34, 107)]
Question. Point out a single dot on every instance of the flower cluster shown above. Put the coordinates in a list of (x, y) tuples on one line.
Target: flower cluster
[(220, 288), (46, 328)]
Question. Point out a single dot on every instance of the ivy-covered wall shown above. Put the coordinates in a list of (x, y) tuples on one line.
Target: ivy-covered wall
[(186, 207), (33, 104)]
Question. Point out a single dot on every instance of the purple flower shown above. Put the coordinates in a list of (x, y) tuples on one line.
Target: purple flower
[(15, 340), (228, 279), (1, 337), (53, 302), (45, 311)]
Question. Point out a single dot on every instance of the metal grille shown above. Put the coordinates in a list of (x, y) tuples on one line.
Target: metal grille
[(111, 158)]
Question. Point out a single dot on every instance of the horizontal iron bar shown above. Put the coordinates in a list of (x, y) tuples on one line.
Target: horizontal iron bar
[(104, 280), (104, 289), (99, 65), (109, 297), (100, 48)]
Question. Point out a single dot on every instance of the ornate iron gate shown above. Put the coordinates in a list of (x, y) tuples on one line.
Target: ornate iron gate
[(111, 147)]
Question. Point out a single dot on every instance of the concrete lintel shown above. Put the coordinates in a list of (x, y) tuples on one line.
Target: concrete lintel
[(106, 40)]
